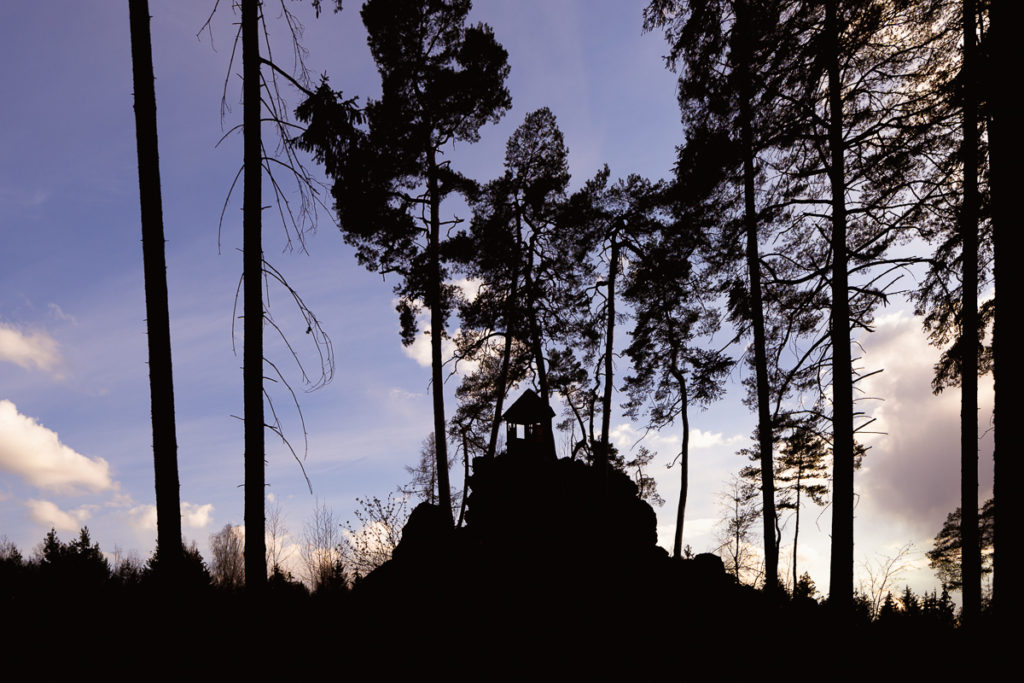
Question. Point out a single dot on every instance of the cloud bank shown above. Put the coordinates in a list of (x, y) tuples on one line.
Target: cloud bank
[(48, 513), (193, 516), (30, 450), (420, 350), (625, 435), (30, 350), (912, 471)]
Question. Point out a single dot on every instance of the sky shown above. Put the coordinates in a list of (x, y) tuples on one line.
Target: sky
[(75, 440)]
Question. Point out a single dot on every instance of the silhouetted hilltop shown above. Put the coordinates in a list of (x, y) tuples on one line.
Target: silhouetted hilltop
[(532, 521), (557, 561), (558, 567)]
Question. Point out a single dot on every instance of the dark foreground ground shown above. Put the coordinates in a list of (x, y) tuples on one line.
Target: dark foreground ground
[(556, 574)]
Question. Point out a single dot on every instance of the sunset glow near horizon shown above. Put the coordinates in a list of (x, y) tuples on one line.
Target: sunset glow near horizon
[(75, 439)]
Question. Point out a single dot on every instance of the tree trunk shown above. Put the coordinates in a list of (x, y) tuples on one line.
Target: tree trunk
[(252, 275), (736, 532), (465, 481), (502, 388), (436, 333), (796, 530), (764, 420), (677, 546), (499, 393), (841, 568), (535, 334), (970, 549), (161, 385), (536, 341), (606, 403), (1005, 149)]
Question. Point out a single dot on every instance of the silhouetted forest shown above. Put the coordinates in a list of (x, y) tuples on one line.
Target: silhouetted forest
[(575, 585), (821, 140)]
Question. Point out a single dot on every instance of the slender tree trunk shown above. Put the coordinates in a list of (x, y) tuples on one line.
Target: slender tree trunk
[(535, 333), (536, 342), (506, 355), (465, 481), (161, 385), (970, 549), (606, 404), (538, 355), (436, 334), (677, 546), (764, 420), (796, 530), (1005, 149), (736, 540), (583, 442), (252, 275), (499, 393), (841, 568), (432, 497)]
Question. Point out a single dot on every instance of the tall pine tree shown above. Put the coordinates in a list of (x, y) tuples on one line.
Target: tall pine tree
[(441, 82), (734, 54)]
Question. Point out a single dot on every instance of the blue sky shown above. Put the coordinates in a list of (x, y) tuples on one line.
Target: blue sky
[(74, 403)]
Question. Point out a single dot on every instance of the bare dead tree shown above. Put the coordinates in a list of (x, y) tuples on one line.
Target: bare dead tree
[(276, 534), (738, 503), (263, 104), (227, 564), (322, 547), (882, 573)]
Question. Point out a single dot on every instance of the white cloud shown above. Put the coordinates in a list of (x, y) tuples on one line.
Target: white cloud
[(29, 349), (143, 517), (196, 516), (193, 516), (420, 350), (48, 513), (470, 287), (625, 435), (34, 452), (702, 439)]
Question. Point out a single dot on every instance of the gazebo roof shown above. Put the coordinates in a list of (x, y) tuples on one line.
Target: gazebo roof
[(528, 409)]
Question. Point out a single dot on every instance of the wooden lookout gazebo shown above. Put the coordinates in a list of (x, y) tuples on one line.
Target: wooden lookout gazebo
[(534, 416)]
